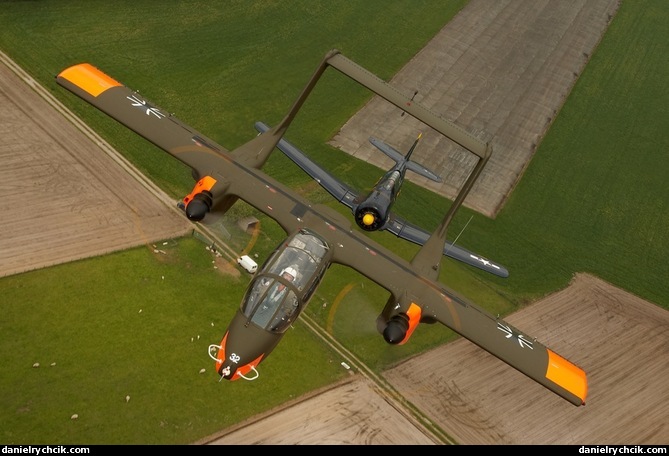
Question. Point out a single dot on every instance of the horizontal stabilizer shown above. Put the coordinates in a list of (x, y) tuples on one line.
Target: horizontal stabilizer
[(423, 171), (386, 149), (399, 158)]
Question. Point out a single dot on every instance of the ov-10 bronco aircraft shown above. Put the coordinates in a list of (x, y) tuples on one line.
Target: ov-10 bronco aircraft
[(319, 236), (372, 211)]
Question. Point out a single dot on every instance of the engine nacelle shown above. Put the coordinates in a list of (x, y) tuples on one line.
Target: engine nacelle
[(199, 206), (198, 203), (398, 329), (368, 218)]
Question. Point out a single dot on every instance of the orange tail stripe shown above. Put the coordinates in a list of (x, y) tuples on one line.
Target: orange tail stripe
[(89, 78), (567, 375)]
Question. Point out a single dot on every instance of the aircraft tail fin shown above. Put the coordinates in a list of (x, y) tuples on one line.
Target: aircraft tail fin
[(413, 146), (406, 159), (256, 152), (428, 258)]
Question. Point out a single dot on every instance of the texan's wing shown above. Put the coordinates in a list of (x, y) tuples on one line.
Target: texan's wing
[(340, 191), (410, 232)]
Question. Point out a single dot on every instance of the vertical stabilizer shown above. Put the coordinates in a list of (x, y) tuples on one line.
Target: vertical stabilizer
[(428, 258), (404, 161), (265, 143)]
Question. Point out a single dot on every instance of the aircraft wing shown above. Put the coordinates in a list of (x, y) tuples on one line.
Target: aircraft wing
[(340, 191), (396, 225), (509, 344), (410, 232), (235, 172), (157, 125), (441, 304), (132, 110)]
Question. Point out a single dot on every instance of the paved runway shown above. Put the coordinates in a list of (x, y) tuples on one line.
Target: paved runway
[(502, 71)]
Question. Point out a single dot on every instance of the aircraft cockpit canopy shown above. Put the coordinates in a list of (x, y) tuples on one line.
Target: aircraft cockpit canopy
[(284, 285)]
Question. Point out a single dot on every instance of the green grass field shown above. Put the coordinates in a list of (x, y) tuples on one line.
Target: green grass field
[(594, 199)]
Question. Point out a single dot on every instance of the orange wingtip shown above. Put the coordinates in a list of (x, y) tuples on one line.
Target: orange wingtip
[(567, 375), (89, 78)]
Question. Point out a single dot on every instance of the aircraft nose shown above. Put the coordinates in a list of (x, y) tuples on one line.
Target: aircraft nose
[(224, 372), (368, 219)]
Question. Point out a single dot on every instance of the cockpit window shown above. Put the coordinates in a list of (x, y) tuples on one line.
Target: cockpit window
[(287, 313), (392, 179), (255, 295), (286, 282), (303, 254), (272, 305)]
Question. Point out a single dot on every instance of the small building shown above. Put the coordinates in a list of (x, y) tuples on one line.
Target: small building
[(248, 224)]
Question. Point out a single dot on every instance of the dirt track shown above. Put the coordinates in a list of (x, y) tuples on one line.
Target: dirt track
[(64, 197)]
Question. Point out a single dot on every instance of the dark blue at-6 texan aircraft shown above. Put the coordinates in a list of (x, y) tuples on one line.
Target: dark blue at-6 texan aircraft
[(319, 236), (372, 211)]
